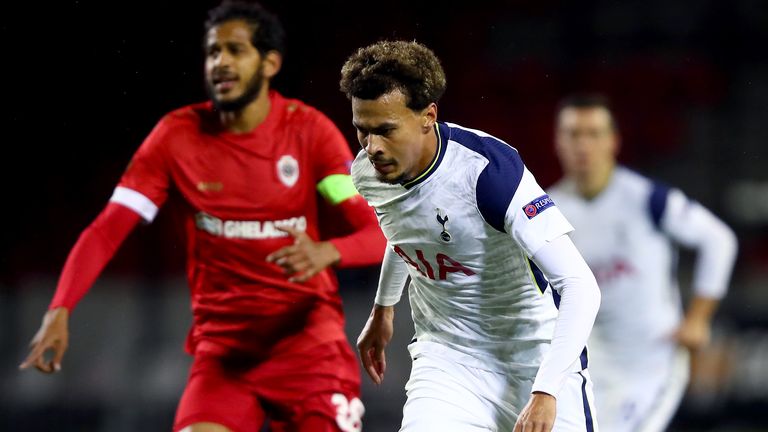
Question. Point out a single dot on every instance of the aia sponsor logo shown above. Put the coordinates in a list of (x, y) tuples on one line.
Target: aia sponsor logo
[(445, 264)]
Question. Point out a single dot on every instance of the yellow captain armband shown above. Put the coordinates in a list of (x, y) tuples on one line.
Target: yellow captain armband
[(336, 188)]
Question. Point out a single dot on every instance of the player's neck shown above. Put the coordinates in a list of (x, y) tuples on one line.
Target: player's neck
[(429, 151), (248, 118), (594, 183)]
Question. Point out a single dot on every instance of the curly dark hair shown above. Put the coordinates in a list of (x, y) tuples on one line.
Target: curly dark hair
[(268, 33), (385, 66)]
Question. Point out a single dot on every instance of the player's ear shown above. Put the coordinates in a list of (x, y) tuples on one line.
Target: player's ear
[(272, 62), (429, 117)]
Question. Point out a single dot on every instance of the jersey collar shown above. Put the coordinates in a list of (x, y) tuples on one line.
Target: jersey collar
[(443, 135), (259, 140)]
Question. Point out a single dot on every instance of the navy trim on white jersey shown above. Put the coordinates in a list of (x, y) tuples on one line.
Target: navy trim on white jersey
[(542, 283), (499, 180), (443, 135), (538, 276), (587, 410), (584, 357), (658, 202)]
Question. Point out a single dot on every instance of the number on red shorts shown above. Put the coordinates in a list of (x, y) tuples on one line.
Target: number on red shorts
[(349, 413)]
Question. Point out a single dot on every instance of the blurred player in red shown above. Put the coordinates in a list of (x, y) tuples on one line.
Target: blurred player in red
[(251, 166)]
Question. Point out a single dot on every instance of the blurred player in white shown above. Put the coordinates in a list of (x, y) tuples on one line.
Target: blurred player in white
[(627, 228), (470, 225)]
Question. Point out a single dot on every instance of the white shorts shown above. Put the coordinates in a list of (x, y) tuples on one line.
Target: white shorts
[(445, 396), (639, 398)]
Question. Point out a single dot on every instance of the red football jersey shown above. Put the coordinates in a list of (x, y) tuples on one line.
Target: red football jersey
[(238, 189)]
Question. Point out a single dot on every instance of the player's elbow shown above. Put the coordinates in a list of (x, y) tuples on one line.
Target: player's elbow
[(591, 282), (596, 296), (724, 240), (729, 241), (591, 292)]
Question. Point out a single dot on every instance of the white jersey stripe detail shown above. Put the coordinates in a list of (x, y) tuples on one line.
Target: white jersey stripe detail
[(136, 202)]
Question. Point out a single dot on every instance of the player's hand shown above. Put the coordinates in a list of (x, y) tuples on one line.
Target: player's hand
[(53, 335), (305, 257), (693, 334), (374, 339), (538, 415)]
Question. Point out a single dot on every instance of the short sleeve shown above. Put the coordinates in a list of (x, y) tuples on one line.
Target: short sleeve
[(145, 182), (532, 217), (330, 150), (333, 160), (686, 221), (508, 197)]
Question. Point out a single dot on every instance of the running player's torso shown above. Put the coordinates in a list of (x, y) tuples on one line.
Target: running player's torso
[(633, 261), (238, 190), (473, 288)]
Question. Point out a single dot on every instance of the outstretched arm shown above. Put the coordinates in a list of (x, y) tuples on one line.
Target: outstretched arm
[(93, 250), (572, 279)]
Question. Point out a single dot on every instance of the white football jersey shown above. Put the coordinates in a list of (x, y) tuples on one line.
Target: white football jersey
[(466, 228), (622, 235)]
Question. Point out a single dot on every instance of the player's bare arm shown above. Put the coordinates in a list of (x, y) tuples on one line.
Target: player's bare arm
[(373, 341), (695, 331), (53, 336), (305, 257)]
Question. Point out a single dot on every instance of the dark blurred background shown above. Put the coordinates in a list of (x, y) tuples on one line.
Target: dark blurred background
[(87, 80)]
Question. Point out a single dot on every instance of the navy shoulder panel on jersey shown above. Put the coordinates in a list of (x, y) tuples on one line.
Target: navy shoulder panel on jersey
[(499, 180), (657, 202)]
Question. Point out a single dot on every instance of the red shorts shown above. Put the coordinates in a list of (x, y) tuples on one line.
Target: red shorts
[(239, 393)]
